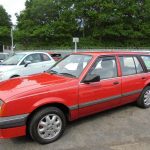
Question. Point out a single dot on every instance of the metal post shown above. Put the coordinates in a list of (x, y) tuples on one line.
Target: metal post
[(75, 40), (75, 46), (3, 48), (12, 40)]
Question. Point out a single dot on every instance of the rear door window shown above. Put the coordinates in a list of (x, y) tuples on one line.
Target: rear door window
[(127, 65)]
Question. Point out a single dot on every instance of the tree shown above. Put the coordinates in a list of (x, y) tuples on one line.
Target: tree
[(45, 21), (115, 20), (5, 26), (124, 22)]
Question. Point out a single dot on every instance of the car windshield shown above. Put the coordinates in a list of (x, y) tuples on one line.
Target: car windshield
[(71, 66), (14, 60)]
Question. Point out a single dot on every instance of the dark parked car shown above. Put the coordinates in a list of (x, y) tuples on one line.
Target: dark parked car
[(55, 56)]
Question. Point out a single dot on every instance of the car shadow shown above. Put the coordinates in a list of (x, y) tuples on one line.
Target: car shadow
[(84, 120), (22, 140), (106, 113)]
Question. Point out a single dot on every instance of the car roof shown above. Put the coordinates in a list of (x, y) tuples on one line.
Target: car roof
[(113, 53), (26, 53)]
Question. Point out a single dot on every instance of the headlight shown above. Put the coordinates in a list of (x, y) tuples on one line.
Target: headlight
[(1, 104)]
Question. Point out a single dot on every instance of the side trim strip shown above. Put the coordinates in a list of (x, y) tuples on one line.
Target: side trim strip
[(103, 100), (74, 107), (13, 121), (131, 93), (99, 101)]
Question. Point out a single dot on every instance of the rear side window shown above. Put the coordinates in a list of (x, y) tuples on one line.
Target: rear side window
[(45, 57), (146, 60), (139, 68), (55, 55), (130, 65)]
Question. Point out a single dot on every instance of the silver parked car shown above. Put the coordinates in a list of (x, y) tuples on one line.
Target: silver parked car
[(25, 63)]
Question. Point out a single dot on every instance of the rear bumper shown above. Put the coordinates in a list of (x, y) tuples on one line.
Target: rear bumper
[(13, 126)]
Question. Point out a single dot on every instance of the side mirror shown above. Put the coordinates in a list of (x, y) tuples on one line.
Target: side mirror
[(91, 78), (27, 63)]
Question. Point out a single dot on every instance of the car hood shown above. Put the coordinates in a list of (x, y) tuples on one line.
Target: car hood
[(22, 86), (4, 68)]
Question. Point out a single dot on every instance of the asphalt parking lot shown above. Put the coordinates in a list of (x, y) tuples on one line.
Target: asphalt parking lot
[(123, 128)]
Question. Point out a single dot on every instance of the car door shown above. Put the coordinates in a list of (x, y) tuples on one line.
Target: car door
[(98, 96), (47, 61), (34, 66), (133, 78)]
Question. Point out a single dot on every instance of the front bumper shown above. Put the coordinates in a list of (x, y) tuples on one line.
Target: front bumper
[(12, 132), (13, 126)]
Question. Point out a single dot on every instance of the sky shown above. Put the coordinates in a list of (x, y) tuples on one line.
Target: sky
[(12, 7)]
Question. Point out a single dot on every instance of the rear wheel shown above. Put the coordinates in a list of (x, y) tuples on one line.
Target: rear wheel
[(47, 125), (144, 100)]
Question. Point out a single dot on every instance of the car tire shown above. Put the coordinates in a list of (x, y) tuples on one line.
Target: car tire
[(47, 125), (144, 99)]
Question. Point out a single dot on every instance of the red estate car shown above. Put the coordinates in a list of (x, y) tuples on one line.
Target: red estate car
[(79, 85)]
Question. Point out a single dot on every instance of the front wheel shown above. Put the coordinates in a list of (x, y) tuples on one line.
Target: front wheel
[(144, 99), (47, 125)]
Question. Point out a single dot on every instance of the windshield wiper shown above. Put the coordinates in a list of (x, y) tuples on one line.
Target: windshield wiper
[(68, 74), (53, 72)]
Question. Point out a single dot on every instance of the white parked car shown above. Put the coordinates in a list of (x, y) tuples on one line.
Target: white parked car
[(25, 63)]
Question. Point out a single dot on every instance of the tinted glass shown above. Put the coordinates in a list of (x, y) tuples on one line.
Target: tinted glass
[(105, 67), (146, 60), (127, 65), (55, 55)]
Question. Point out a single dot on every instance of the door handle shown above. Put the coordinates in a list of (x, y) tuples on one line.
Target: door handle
[(115, 83), (143, 78)]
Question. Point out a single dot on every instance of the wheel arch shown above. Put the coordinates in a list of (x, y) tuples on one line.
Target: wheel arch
[(61, 106), (148, 84)]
